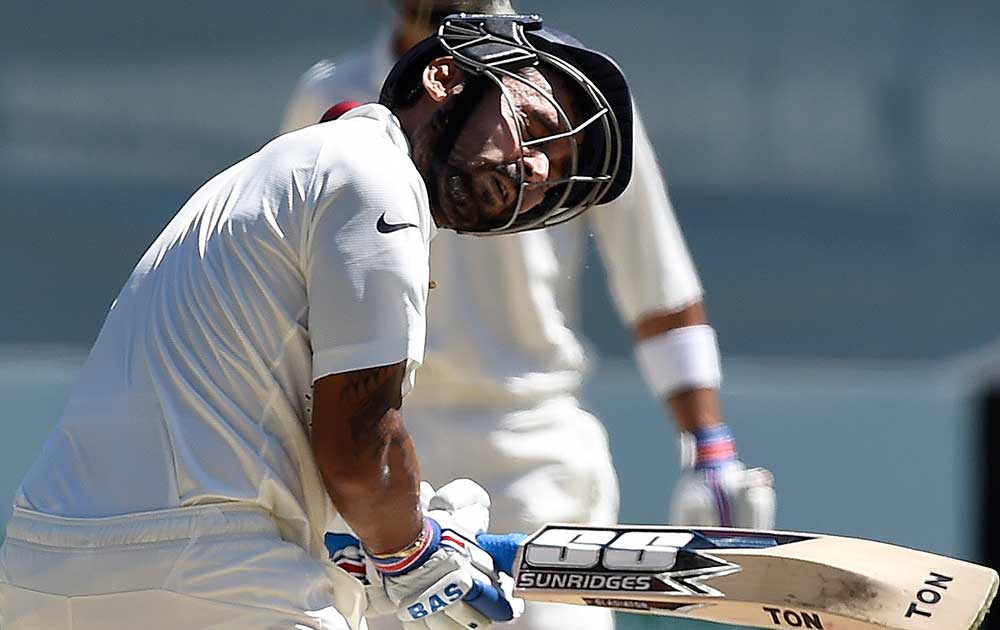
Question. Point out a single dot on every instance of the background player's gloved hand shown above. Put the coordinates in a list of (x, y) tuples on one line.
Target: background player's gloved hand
[(716, 489), (426, 587)]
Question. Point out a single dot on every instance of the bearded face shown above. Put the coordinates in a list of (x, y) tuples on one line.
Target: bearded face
[(472, 154)]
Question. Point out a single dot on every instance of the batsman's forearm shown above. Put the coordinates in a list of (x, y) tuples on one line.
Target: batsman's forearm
[(657, 322), (366, 457), (380, 496), (695, 409)]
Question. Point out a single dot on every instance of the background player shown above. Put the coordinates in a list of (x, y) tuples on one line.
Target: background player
[(497, 392), (253, 367)]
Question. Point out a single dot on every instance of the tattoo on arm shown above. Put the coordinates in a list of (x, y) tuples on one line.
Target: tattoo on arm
[(361, 383), (367, 397), (366, 456)]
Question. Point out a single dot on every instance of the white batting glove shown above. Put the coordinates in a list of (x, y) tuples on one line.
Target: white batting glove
[(427, 586), (715, 489)]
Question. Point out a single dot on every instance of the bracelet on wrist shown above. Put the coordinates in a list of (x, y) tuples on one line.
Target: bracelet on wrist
[(411, 556)]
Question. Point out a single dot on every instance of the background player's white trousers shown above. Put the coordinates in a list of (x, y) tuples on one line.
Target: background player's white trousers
[(545, 464), (220, 567)]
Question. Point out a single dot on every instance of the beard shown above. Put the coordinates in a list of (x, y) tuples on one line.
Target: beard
[(456, 197), (461, 196), (451, 179)]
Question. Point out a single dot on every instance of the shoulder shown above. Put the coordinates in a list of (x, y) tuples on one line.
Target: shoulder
[(369, 143), (365, 147), (641, 143), (337, 80), (353, 143), (321, 73), (363, 159)]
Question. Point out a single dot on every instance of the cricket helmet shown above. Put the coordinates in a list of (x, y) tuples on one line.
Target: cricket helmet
[(490, 48)]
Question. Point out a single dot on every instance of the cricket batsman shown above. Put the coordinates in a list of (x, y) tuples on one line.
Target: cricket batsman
[(497, 397), (247, 384)]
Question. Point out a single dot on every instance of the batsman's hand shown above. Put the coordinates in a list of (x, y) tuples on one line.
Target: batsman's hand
[(729, 495), (432, 591)]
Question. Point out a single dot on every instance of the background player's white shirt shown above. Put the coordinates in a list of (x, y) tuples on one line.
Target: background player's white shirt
[(502, 318), (272, 275)]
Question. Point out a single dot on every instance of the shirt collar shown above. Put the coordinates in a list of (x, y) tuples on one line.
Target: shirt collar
[(379, 113)]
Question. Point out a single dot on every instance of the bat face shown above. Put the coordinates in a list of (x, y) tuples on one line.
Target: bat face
[(756, 578)]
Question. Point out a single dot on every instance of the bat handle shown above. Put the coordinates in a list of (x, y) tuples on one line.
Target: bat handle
[(489, 601), (485, 598), (502, 548)]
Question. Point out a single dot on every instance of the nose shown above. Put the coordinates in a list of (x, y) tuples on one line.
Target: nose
[(536, 166)]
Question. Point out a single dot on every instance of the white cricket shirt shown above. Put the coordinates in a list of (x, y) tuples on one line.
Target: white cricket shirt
[(503, 317), (278, 271)]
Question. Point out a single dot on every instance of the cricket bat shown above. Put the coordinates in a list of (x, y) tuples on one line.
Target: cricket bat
[(763, 579)]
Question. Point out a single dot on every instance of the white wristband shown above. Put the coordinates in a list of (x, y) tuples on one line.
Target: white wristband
[(680, 359)]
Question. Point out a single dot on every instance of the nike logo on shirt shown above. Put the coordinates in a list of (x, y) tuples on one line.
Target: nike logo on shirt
[(387, 228)]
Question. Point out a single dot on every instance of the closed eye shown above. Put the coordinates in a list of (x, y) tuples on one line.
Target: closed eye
[(503, 186), (537, 126), (524, 123)]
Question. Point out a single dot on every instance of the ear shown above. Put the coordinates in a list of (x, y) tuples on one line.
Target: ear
[(441, 78)]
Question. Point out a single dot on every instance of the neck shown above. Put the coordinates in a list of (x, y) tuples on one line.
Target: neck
[(411, 119)]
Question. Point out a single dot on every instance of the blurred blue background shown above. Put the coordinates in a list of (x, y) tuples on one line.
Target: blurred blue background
[(835, 167)]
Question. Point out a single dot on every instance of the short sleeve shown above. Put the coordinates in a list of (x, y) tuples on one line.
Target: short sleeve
[(367, 286), (648, 263)]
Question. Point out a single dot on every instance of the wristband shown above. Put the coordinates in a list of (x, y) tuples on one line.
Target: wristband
[(680, 359), (715, 447), (413, 555)]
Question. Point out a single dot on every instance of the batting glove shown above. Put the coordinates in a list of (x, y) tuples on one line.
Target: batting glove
[(715, 489), (431, 588)]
